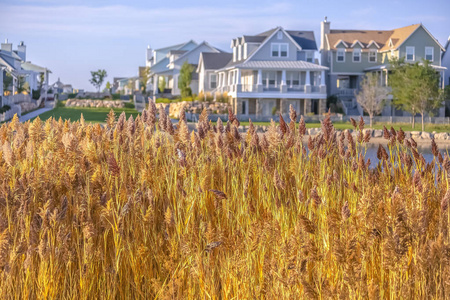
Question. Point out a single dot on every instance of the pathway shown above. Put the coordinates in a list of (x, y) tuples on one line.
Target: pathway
[(31, 115), (34, 114)]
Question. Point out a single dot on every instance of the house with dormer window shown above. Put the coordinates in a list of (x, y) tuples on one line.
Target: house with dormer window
[(269, 71), (165, 63), (351, 53)]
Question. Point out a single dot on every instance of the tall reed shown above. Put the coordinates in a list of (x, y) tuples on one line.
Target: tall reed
[(139, 209)]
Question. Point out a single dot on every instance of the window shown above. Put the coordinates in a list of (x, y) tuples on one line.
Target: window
[(373, 56), (283, 50), (239, 52), (340, 57), (309, 56), (410, 53), (234, 53), (357, 55), (329, 56), (245, 51), (279, 50), (279, 35), (429, 53), (212, 81)]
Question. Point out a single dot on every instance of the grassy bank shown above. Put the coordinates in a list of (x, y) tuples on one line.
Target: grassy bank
[(396, 126), (90, 114)]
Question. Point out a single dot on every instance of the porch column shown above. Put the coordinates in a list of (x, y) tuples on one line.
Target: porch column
[(1, 85), (283, 81), (238, 81), (323, 88), (258, 107), (308, 83), (259, 86), (46, 84), (14, 83), (155, 85), (307, 106), (322, 106)]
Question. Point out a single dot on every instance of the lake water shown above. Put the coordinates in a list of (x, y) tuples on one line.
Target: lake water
[(424, 150)]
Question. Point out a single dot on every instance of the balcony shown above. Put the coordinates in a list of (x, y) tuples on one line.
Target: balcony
[(276, 88), (346, 92)]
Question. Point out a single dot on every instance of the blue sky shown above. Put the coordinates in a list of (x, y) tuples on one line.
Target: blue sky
[(72, 38)]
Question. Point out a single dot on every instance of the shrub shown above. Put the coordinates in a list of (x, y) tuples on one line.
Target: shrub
[(116, 96), (72, 95), (4, 108), (163, 100), (36, 94)]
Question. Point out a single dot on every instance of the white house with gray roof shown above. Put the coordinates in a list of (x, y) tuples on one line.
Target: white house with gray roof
[(13, 63), (269, 71), (167, 63)]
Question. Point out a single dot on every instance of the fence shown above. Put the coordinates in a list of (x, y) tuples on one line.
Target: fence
[(15, 109), (317, 118), (15, 99)]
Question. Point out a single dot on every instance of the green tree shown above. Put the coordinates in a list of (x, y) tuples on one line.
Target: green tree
[(97, 78), (144, 80), (22, 85), (415, 88), (108, 85), (184, 80), (372, 95), (7, 82), (41, 80), (162, 84)]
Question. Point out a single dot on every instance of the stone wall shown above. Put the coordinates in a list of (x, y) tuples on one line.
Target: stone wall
[(95, 103), (194, 107)]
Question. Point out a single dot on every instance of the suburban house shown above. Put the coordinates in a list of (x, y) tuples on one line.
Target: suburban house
[(13, 63), (269, 71), (351, 53), (166, 63), (207, 66), (61, 88), (445, 62)]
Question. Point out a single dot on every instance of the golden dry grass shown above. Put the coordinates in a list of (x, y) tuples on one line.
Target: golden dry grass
[(129, 212)]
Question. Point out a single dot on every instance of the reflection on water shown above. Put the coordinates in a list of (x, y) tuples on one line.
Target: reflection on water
[(424, 150)]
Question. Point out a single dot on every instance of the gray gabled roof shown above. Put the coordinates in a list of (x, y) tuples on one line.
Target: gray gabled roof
[(177, 52), (305, 39), (214, 61), (32, 67), (254, 38)]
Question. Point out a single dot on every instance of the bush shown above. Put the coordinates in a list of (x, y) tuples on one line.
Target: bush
[(129, 105), (186, 99), (163, 100), (116, 96), (72, 95), (274, 110), (5, 108), (36, 94)]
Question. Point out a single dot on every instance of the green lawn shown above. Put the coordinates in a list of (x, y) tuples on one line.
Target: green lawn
[(397, 126), (93, 115)]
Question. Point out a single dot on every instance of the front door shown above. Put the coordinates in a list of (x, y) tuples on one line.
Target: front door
[(244, 107)]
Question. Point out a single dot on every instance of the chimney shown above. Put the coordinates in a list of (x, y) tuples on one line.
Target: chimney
[(324, 29), (22, 51), (7, 46)]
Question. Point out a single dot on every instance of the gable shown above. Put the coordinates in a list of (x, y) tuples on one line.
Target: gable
[(264, 50), (193, 56), (422, 35)]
